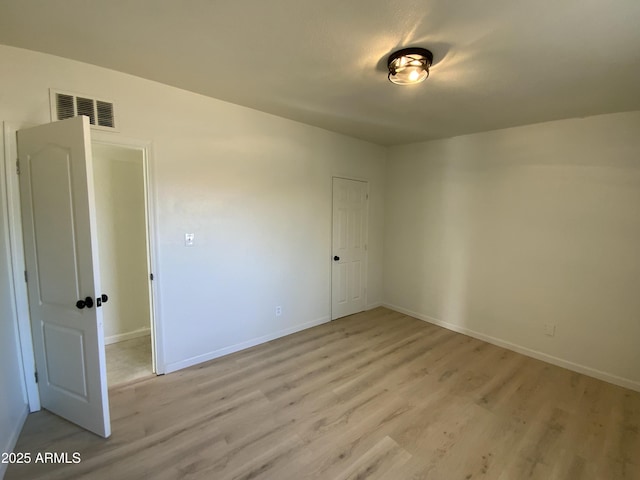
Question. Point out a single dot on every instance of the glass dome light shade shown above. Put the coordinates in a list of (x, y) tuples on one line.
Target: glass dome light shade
[(409, 66)]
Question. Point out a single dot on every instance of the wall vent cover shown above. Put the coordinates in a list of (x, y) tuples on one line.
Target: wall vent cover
[(66, 105)]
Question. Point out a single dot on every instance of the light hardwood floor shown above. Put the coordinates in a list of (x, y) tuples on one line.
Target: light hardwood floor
[(377, 395)]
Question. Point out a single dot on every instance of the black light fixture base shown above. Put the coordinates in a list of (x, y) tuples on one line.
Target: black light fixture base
[(410, 51)]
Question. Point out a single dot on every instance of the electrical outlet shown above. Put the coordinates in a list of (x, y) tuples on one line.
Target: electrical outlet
[(189, 239), (278, 311), (549, 329)]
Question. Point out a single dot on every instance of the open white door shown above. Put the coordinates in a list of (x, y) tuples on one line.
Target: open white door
[(349, 227), (58, 219)]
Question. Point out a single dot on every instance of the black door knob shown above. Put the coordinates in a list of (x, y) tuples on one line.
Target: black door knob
[(87, 302), (336, 258)]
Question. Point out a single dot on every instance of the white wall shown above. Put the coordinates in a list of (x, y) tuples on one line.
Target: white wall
[(120, 210), (13, 400), (502, 232), (254, 188)]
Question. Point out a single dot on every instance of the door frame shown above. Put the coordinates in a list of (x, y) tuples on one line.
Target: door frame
[(146, 148), (17, 266), (18, 259), (365, 273)]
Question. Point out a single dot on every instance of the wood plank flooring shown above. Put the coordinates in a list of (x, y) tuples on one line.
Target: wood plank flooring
[(378, 395)]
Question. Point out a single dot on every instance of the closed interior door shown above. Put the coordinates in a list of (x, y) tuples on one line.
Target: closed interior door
[(58, 217), (349, 247)]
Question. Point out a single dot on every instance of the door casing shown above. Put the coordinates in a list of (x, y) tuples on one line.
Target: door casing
[(98, 137)]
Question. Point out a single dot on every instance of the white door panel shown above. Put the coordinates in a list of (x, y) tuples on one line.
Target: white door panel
[(349, 227), (67, 377), (56, 189), (48, 171)]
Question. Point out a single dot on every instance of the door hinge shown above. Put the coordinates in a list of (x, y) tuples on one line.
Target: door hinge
[(26, 277), (151, 276), (35, 374), (18, 167)]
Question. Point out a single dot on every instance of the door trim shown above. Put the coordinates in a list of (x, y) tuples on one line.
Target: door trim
[(365, 280), (18, 263), (146, 147)]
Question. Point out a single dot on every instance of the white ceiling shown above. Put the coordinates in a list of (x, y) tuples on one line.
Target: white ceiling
[(497, 63)]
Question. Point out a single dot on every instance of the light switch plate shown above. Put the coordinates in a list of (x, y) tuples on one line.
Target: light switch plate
[(549, 329), (189, 239)]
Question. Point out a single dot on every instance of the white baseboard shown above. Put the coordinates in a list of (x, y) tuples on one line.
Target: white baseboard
[(371, 306), (172, 367), (576, 367), (12, 438), (121, 337)]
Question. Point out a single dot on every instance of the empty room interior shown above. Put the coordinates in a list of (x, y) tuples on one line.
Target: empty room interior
[(326, 240)]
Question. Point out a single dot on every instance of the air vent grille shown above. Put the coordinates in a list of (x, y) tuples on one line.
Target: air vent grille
[(86, 107), (66, 105), (105, 114)]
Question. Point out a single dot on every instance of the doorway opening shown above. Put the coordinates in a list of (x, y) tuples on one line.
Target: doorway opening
[(123, 247), (61, 333)]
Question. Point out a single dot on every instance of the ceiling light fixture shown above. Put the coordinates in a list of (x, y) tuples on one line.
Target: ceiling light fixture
[(409, 66)]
